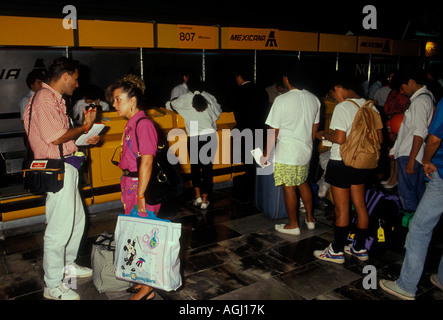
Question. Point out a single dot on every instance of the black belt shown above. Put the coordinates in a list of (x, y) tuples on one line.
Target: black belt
[(131, 174)]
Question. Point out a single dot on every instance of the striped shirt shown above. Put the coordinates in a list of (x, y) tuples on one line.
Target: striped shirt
[(48, 123)]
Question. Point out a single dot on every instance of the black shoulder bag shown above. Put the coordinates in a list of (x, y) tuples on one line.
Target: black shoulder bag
[(43, 175), (165, 181)]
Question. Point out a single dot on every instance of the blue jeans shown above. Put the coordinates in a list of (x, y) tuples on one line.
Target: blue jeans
[(410, 186), (425, 219)]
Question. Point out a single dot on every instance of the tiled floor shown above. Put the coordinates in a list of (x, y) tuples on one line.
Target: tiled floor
[(230, 252)]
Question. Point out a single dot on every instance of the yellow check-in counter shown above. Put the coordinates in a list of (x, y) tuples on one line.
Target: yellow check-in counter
[(105, 174), (101, 178)]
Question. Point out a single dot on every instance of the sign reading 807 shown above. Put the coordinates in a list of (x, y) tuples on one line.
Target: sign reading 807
[(186, 36)]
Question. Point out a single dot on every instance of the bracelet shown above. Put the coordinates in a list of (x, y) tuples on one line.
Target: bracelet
[(140, 198), (86, 128)]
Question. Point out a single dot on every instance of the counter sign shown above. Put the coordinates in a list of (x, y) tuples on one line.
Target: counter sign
[(267, 39), (187, 36)]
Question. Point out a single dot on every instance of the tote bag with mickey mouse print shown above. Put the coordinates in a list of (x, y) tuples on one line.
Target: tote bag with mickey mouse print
[(147, 251)]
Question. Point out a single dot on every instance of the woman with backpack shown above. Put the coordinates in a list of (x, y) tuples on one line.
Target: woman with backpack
[(347, 182)]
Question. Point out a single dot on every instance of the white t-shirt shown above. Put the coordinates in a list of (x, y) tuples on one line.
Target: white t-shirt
[(415, 123), (294, 113), (206, 120), (77, 110), (179, 90), (24, 102), (381, 95), (342, 119)]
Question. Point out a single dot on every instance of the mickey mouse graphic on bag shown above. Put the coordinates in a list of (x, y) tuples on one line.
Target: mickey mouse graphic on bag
[(131, 252)]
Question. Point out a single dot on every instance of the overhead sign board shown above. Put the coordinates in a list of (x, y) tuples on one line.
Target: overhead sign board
[(374, 45), (26, 31), (406, 48), (187, 36), (268, 39), (116, 34), (337, 43)]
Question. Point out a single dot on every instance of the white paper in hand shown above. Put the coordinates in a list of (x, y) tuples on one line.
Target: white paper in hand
[(94, 131), (257, 154)]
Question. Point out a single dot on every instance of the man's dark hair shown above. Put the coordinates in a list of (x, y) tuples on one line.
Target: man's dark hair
[(60, 66), (296, 77), (346, 81), (403, 76), (33, 76), (243, 72), (199, 103)]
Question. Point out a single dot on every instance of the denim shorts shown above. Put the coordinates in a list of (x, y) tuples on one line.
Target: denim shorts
[(341, 176)]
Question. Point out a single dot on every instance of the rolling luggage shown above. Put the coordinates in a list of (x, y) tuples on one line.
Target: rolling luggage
[(268, 198)]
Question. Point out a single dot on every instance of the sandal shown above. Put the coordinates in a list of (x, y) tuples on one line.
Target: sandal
[(145, 297), (133, 289)]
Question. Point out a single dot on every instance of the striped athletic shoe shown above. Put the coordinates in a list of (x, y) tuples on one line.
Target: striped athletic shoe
[(328, 254), (362, 254)]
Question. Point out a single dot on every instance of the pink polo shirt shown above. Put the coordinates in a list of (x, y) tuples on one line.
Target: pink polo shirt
[(48, 123)]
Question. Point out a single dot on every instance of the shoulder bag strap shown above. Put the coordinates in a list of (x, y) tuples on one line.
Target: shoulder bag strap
[(136, 136)]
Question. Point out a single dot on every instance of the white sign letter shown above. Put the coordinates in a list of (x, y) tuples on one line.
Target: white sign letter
[(370, 21), (72, 16)]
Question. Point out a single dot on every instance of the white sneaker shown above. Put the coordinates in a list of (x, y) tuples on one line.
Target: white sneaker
[(329, 254), (74, 270), (281, 228), (197, 202), (204, 205), (311, 225), (60, 293), (302, 206)]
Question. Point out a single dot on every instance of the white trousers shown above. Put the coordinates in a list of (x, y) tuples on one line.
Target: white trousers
[(65, 219)]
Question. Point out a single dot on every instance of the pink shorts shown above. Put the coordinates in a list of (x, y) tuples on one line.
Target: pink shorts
[(129, 188)]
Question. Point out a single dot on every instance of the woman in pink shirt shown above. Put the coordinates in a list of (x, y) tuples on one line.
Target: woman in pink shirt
[(127, 94)]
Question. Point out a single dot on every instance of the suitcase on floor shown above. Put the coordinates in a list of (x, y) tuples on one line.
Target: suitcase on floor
[(268, 198)]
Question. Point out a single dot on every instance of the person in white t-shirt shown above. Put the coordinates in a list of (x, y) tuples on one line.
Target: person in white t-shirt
[(200, 112), (382, 93), (92, 97), (34, 82), (347, 183), (409, 146), (294, 116), (182, 88)]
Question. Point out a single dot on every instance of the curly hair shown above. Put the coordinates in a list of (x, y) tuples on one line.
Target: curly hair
[(130, 84)]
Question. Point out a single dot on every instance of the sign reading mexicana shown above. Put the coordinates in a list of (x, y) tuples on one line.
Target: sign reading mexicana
[(270, 39), (247, 37)]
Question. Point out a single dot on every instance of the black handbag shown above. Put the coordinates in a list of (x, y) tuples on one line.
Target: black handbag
[(165, 180), (43, 175)]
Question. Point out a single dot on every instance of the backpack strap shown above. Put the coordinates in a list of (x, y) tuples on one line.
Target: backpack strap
[(427, 94), (367, 102), (368, 105)]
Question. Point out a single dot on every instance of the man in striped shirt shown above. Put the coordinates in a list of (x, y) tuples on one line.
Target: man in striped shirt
[(65, 216)]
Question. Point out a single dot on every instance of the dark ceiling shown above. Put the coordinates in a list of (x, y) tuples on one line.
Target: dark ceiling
[(395, 19)]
